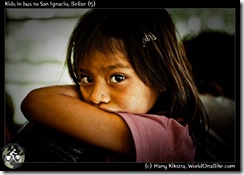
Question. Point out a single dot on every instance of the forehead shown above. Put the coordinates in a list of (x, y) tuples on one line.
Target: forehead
[(100, 59)]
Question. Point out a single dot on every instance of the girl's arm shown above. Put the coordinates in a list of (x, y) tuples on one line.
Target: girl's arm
[(60, 107)]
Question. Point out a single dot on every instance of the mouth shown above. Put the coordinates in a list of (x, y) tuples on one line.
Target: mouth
[(105, 109)]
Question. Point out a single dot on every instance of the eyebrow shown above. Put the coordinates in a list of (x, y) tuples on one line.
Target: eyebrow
[(118, 65)]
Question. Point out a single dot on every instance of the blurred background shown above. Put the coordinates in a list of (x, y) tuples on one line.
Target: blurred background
[(36, 39)]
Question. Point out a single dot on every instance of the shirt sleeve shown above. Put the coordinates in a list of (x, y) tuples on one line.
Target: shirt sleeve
[(159, 139)]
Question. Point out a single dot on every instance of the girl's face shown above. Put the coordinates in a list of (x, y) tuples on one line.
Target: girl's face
[(111, 84)]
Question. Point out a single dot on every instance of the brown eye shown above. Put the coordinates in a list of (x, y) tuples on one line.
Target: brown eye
[(86, 80), (117, 78)]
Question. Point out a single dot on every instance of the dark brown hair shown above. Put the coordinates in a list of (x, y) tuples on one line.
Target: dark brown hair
[(160, 62)]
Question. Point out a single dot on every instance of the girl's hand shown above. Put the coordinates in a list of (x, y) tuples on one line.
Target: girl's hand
[(61, 108)]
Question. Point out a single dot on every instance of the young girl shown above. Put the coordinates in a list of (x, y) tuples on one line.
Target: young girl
[(133, 89)]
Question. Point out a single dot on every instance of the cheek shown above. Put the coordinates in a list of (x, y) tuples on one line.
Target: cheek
[(146, 99), (124, 100), (137, 100), (84, 94), (130, 105)]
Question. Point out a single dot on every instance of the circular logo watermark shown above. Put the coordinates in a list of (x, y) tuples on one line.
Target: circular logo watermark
[(13, 155)]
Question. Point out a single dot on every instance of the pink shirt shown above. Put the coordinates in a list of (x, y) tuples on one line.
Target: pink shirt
[(159, 139)]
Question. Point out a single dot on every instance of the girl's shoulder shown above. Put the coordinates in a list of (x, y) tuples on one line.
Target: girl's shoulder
[(158, 138), (158, 120)]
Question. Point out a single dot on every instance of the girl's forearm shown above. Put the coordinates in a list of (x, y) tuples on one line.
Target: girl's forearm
[(60, 107)]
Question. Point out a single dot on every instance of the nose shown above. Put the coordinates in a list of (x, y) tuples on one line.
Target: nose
[(99, 94)]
